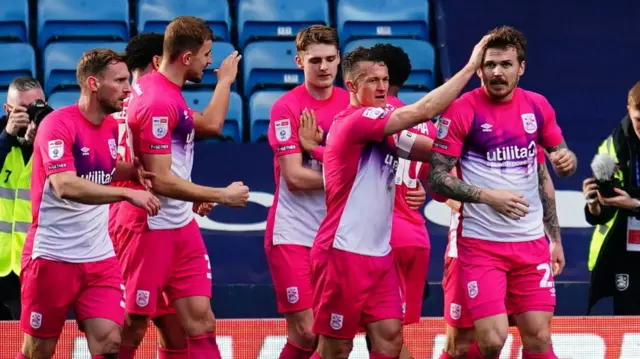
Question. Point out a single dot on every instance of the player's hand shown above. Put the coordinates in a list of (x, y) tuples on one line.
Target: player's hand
[(564, 162), (143, 176), (477, 56), (623, 200), (30, 136), (145, 200), (416, 198), (202, 208), (228, 69), (235, 195), (557, 257), (18, 120), (309, 134), (507, 203)]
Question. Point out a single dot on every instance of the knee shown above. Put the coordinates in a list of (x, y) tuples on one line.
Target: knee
[(537, 339), (387, 340), (135, 329), (459, 350), (304, 335), (338, 350), (492, 341), (109, 343), (38, 349), (200, 321)]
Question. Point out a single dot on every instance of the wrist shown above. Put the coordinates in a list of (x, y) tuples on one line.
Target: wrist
[(125, 193), (225, 82)]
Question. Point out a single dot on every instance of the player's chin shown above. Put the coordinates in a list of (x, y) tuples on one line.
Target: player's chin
[(324, 81)]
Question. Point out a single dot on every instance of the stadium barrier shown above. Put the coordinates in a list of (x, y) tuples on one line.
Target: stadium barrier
[(573, 338)]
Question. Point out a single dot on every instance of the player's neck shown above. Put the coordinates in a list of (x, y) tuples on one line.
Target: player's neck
[(91, 110), (173, 73), (318, 93), (393, 91)]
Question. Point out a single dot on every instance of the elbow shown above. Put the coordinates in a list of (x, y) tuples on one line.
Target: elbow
[(63, 187), (213, 130), (293, 183)]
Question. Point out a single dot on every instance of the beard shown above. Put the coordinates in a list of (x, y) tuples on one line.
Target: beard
[(195, 77), (110, 107)]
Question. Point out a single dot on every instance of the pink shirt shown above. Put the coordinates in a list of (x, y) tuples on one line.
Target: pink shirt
[(63, 230), (359, 172), (497, 145), (295, 216), (160, 122), (409, 228)]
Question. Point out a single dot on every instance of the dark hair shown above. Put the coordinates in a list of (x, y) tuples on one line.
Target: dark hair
[(185, 33), (397, 61), (24, 83), (142, 48), (352, 59), (94, 62), (506, 36), (316, 34)]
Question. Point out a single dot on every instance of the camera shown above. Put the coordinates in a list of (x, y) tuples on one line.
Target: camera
[(37, 111), (607, 188)]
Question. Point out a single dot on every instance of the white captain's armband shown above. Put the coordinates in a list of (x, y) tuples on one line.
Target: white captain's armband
[(404, 142)]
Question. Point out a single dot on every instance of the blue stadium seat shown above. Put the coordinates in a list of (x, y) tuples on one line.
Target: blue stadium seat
[(281, 19), (18, 59), (382, 18), (269, 64), (219, 52), (61, 60), (60, 99), (155, 15), (82, 20), (259, 110), (3, 99), (409, 97), (199, 99), (421, 54), (14, 20)]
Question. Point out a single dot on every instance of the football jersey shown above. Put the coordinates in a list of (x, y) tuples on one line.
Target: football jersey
[(295, 216), (496, 143), (61, 229)]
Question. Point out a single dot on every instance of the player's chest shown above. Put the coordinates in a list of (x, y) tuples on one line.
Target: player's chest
[(489, 131), (325, 116), (100, 153)]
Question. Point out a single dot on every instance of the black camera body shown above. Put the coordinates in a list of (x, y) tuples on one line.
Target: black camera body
[(37, 111), (606, 188)]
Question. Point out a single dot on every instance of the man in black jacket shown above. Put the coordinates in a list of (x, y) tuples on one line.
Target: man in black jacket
[(615, 245)]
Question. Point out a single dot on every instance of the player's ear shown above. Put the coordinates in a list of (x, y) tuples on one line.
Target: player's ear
[(156, 62), (93, 83), (298, 61), (479, 73), (351, 86), (521, 69), (186, 58)]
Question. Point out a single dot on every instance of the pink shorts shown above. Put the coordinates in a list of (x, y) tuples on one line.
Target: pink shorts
[(412, 265), (351, 291), (501, 275), (50, 289), (456, 311), (290, 269), (161, 266)]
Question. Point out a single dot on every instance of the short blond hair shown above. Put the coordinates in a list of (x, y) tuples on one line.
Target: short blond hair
[(316, 34), (185, 33), (94, 62)]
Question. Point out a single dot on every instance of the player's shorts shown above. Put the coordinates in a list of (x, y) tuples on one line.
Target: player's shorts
[(501, 275), (352, 290), (412, 265), (456, 310), (290, 269), (50, 289), (170, 263)]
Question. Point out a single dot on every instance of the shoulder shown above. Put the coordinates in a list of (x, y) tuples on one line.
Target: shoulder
[(341, 94), (288, 102), (372, 113), (536, 98), (62, 118)]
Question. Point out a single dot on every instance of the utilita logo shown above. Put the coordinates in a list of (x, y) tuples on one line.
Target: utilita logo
[(99, 177), (511, 155)]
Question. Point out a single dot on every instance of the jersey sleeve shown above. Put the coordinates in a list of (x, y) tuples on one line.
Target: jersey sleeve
[(283, 130), (157, 121), (368, 124), (453, 128), (540, 156), (56, 137), (550, 133)]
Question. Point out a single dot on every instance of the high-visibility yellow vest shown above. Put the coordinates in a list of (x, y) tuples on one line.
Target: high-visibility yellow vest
[(600, 232), (15, 210)]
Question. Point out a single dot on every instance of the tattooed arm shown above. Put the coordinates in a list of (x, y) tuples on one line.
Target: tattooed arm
[(548, 199), (564, 161), (445, 184)]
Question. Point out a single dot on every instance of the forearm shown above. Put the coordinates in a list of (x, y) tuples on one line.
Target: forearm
[(304, 179), (444, 184), (79, 190), (172, 186), (548, 200), (211, 121)]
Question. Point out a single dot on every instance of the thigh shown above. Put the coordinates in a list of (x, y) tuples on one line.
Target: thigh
[(146, 258), (484, 277), (530, 281), (381, 297), (339, 275), (103, 294), (49, 291), (191, 270), (412, 265), (291, 275), (456, 309)]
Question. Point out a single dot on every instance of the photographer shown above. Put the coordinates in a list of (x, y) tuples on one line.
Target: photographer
[(16, 148), (615, 245)]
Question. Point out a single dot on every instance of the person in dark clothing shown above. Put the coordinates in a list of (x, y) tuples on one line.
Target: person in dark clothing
[(615, 245), (15, 177)]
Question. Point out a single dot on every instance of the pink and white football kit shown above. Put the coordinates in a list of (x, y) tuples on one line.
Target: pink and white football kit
[(68, 261), (502, 262), (409, 238), (295, 216), (164, 255), (124, 155), (456, 309), (351, 256)]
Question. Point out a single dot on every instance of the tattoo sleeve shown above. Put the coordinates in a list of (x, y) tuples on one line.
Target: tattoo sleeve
[(548, 199), (562, 145), (445, 184)]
